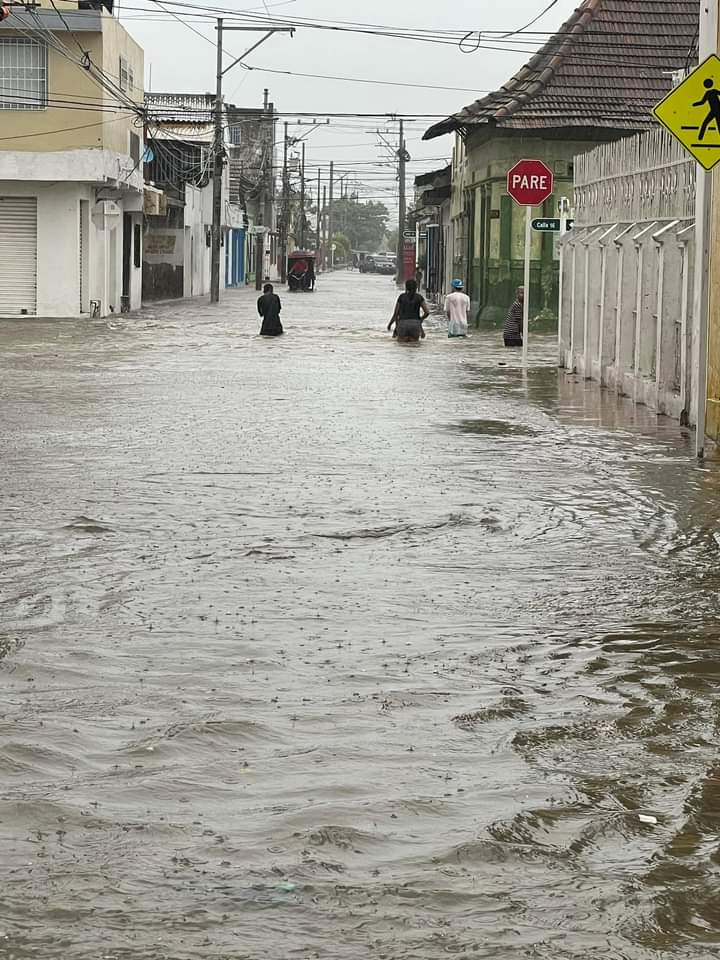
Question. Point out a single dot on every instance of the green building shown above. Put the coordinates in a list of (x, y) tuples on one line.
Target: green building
[(595, 80)]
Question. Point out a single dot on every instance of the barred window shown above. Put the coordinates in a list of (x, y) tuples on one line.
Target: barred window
[(23, 74)]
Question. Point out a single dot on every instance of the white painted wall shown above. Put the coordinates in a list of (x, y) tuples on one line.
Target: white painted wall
[(58, 249), (102, 167), (136, 272), (623, 284), (198, 217)]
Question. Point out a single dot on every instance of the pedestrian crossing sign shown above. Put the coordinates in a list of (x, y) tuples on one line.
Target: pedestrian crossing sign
[(691, 112)]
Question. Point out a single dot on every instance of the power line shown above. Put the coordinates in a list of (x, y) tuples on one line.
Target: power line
[(50, 133), (517, 40), (382, 83)]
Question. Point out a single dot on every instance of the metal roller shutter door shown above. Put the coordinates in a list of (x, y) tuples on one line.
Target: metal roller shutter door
[(18, 256)]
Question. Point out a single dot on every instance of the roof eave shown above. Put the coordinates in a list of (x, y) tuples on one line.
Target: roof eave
[(440, 129)]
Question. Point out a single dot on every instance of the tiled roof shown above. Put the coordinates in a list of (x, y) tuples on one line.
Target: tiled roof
[(604, 69), (425, 179)]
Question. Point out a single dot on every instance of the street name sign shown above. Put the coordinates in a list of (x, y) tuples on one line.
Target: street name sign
[(550, 223), (691, 112), (530, 182)]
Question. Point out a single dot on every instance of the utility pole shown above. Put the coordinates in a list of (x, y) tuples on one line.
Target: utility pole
[(218, 155), (318, 242), (323, 246), (330, 208), (302, 198), (402, 156), (218, 144), (285, 208), (266, 204)]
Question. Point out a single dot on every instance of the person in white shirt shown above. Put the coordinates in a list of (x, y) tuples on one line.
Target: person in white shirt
[(457, 310)]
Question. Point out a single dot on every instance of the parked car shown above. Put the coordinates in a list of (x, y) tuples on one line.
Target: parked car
[(385, 266)]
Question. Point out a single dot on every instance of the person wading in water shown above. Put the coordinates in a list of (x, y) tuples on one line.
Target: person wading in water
[(269, 308), (410, 311), (513, 329)]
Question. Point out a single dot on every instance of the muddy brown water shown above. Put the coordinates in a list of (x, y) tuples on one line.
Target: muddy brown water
[(332, 648)]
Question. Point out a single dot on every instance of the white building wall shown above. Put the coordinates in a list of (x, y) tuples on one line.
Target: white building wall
[(198, 219), (136, 271), (58, 228)]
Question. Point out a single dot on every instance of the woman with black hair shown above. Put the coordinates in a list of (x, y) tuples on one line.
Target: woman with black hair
[(410, 311)]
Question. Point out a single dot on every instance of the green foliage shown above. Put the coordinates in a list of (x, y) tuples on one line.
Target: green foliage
[(391, 240), (362, 223), (344, 248)]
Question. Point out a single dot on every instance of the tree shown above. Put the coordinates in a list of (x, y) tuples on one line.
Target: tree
[(344, 249), (391, 240), (364, 224)]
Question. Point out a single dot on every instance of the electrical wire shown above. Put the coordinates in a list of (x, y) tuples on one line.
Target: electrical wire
[(516, 40), (50, 133), (382, 83), (41, 33)]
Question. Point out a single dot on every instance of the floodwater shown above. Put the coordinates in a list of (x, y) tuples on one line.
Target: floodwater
[(329, 647)]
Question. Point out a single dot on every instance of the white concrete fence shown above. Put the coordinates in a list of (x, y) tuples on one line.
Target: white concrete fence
[(626, 310)]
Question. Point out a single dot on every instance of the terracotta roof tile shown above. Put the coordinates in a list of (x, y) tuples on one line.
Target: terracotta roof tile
[(605, 68)]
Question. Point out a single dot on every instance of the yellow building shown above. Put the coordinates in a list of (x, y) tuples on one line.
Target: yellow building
[(71, 149)]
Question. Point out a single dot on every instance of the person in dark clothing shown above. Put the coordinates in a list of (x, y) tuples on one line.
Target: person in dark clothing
[(269, 308), (513, 329), (410, 311)]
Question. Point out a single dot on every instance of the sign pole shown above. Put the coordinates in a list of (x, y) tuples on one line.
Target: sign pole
[(530, 183), (561, 270), (526, 284), (708, 35)]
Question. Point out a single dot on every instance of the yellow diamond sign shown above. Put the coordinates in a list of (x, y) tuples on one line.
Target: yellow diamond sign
[(691, 112)]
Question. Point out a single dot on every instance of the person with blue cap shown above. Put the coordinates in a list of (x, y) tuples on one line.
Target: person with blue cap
[(457, 310)]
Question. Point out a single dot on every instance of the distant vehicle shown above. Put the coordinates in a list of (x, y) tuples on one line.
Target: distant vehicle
[(385, 266), (367, 264)]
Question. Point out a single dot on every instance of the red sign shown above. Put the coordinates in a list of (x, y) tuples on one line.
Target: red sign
[(530, 182), (409, 254)]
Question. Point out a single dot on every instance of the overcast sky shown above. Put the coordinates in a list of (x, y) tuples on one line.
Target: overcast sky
[(182, 61)]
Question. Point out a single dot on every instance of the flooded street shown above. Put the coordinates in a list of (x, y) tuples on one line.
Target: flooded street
[(329, 648)]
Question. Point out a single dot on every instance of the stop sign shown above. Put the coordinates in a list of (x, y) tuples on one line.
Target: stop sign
[(530, 182)]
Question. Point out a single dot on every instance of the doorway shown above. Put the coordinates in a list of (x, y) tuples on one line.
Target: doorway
[(127, 238)]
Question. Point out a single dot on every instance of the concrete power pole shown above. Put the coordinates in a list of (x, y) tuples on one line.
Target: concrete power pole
[(324, 243), (285, 208), (330, 208), (218, 156), (402, 205), (218, 144), (302, 198), (266, 203), (318, 241)]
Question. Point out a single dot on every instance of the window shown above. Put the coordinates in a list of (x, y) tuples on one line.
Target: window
[(127, 80), (135, 148), (235, 134), (23, 74)]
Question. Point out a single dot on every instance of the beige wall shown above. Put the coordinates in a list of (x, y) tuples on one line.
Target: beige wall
[(117, 42), (63, 128)]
